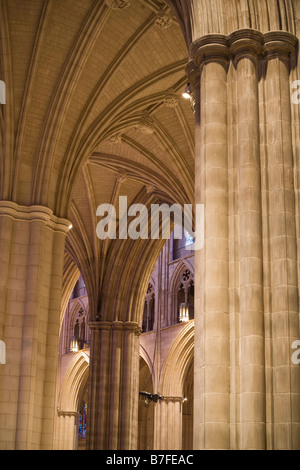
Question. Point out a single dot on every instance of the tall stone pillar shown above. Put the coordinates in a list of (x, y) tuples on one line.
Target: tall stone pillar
[(282, 315), (32, 243), (246, 48), (113, 386), (212, 360), (246, 387)]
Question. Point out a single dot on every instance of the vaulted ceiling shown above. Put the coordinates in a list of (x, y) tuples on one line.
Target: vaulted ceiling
[(94, 110)]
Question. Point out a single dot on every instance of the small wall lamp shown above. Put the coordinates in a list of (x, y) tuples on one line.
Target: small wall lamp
[(184, 312), (74, 345)]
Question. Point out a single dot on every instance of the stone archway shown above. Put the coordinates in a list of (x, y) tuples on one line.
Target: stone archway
[(68, 402), (169, 412), (146, 409)]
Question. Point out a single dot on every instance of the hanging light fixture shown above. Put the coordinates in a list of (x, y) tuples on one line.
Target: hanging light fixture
[(184, 312), (187, 94), (74, 346)]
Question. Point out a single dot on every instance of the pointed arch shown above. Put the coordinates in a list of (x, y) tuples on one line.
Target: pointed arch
[(175, 278), (70, 277), (177, 362), (74, 383), (174, 287)]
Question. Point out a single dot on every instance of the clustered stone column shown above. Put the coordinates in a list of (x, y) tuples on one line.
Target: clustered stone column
[(246, 282), (168, 424), (32, 251), (113, 386), (67, 436)]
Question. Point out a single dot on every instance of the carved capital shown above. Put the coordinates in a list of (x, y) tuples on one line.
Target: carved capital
[(63, 413), (280, 44), (210, 48), (246, 43), (35, 213), (116, 325), (239, 44)]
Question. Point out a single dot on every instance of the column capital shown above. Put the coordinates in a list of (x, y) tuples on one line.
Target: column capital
[(63, 413), (34, 213), (246, 43), (173, 399), (210, 48), (241, 43), (280, 44), (116, 325)]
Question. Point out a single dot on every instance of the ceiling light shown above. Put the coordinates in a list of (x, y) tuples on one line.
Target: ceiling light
[(187, 92)]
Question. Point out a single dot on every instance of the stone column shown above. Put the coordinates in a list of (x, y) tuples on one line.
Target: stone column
[(113, 386), (264, 388), (168, 424), (32, 243), (282, 317), (68, 430), (212, 361), (246, 46)]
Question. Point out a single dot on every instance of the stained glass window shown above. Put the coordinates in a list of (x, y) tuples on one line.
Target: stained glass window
[(188, 239), (82, 421)]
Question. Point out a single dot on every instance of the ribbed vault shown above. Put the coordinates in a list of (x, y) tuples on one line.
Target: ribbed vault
[(95, 111), (76, 80)]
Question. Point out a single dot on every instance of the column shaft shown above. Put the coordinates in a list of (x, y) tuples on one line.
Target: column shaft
[(168, 423), (212, 361), (113, 386), (31, 279), (250, 253), (283, 318)]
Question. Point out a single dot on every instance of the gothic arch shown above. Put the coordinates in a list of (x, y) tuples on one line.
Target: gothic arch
[(145, 412), (126, 291), (146, 358), (175, 283), (76, 312), (68, 402), (74, 383), (70, 277), (181, 266), (177, 362)]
